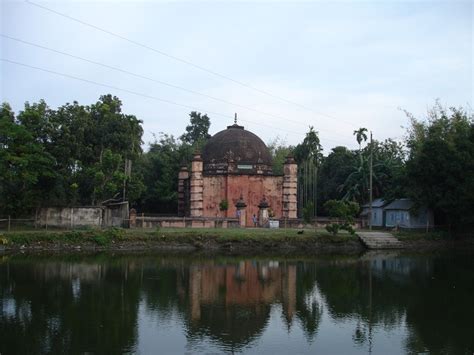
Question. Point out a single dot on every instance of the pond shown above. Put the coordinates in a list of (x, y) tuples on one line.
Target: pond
[(186, 304)]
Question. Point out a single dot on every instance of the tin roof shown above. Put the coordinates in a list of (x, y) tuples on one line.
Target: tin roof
[(378, 202), (400, 204)]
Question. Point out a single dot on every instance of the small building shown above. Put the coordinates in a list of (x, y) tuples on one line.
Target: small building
[(400, 213), (377, 212)]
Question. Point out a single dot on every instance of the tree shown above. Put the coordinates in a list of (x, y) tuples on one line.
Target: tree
[(279, 151), (360, 136), (440, 166), (345, 211), (197, 132), (160, 166), (308, 156), (23, 163), (334, 170), (388, 173), (61, 153)]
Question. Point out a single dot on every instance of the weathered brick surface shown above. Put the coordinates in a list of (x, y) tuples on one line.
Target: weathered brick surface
[(252, 188)]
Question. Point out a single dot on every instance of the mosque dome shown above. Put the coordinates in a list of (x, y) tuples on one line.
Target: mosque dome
[(236, 150)]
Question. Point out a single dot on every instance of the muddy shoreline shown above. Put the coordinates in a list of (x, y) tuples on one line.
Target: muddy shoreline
[(237, 247)]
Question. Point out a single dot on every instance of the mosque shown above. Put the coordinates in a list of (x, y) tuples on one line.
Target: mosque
[(233, 178)]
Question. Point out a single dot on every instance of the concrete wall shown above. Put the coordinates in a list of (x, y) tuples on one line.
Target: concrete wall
[(251, 187), (69, 217), (113, 215)]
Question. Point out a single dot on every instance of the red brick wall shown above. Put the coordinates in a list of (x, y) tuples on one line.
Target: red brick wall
[(252, 188)]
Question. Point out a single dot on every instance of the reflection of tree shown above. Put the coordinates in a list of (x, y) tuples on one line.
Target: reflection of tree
[(308, 311), (94, 308), (440, 309), (417, 291)]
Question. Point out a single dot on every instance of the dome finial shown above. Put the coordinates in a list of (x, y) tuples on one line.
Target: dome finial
[(235, 118)]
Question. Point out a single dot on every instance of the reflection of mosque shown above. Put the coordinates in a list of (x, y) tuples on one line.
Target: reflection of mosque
[(247, 283), (232, 303)]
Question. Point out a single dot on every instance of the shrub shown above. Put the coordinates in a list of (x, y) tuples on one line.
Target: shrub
[(346, 226), (101, 239), (3, 240), (224, 205), (333, 228), (114, 233), (345, 210)]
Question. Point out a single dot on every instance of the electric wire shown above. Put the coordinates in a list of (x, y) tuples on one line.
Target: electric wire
[(186, 62), (159, 82), (151, 97)]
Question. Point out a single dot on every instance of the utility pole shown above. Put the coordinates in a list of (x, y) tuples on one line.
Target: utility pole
[(127, 173), (370, 182)]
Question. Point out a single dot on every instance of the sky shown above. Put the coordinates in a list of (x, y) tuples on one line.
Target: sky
[(282, 66)]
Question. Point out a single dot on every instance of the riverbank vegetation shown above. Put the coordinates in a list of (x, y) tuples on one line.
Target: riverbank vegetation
[(176, 238)]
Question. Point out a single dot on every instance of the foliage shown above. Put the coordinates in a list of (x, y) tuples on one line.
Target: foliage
[(333, 172), (308, 212), (308, 155), (224, 205), (343, 210), (388, 172), (24, 166), (310, 148), (361, 135), (160, 165), (279, 151), (197, 132), (3, 240), (440, 167), (333, 228), (73, 155)]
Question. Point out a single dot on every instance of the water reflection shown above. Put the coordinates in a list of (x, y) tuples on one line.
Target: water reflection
[(115, 304)]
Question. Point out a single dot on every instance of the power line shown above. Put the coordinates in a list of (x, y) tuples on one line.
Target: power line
[(149, 96), (186, 62), (157, 81)]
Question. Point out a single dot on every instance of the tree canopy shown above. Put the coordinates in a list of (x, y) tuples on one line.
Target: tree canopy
[(440, 166), (73, 155)]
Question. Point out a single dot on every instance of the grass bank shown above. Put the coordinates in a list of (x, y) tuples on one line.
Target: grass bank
[(248, 239)]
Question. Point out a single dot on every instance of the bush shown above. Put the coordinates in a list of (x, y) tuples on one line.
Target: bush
[(101, 240), (345, 210), (114, 233), (333, 228), (346, 226), (3, 240), (224, 205)]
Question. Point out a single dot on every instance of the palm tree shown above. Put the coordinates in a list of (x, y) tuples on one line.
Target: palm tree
[(360, 136)]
